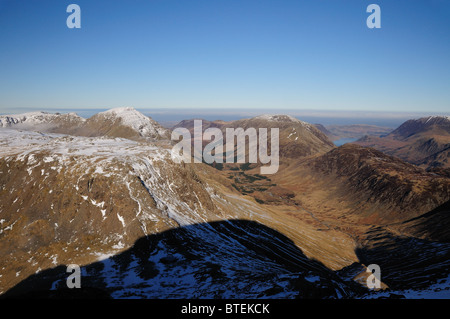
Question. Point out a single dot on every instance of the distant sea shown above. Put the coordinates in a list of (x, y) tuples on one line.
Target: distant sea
[(230, 115)]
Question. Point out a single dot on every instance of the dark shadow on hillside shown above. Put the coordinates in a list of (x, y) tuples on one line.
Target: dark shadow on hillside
[(435, 225), (412, 262), (225, 259), (406, 262)]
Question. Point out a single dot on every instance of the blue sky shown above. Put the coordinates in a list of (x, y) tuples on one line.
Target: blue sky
[(226, 54)]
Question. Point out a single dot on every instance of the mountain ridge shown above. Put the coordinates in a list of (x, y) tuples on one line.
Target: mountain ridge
[(417, 141), (124, 122), (81, 199)]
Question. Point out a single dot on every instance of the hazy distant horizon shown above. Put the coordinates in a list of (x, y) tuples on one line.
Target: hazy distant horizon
[(324, 117)]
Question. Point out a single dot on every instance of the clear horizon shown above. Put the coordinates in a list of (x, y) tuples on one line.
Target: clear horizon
[(263, 56)]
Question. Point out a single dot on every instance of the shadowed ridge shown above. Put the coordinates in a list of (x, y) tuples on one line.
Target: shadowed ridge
[(225, 259), (414, 254), (434, 225), (405, 262)]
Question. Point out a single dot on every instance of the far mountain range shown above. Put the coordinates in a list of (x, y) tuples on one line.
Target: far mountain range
[(103, 193)]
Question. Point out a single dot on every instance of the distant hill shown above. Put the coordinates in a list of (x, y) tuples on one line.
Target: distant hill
[(423, 141), (123, 122), (43, 121), (297, 138)]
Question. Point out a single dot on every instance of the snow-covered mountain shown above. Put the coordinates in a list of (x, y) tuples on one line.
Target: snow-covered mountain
[(43, 121), (278, 118), (99, 201), (125, 122), (110, 198)]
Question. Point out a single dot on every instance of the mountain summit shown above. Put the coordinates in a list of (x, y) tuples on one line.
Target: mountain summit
[(278, 118), (124, 122), (43, 121), (296, 138), (431, 124), (424, 141)]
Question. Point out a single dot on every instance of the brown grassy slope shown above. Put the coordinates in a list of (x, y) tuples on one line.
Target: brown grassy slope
[(422, 142), (364, 185)]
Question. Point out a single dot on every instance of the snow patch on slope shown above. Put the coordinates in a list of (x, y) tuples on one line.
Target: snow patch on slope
[(282, 118), (140, 123), (36, 118), (436, 117)]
